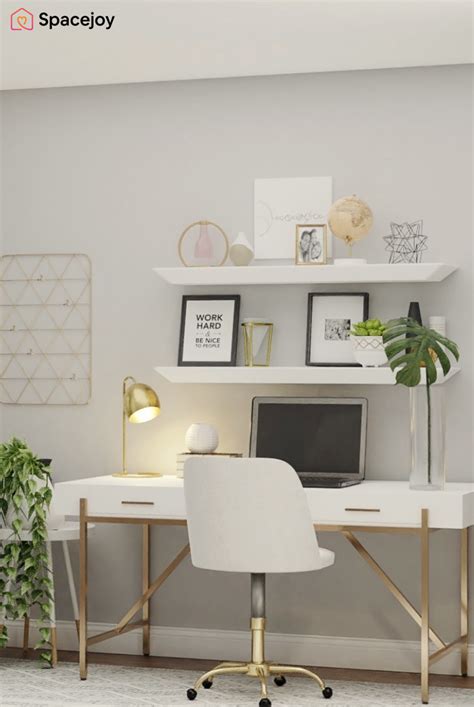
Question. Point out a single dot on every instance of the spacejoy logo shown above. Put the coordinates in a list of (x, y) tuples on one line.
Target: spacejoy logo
[(23, 19)]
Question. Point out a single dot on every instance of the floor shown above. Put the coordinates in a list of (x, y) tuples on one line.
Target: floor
[(26, 683)]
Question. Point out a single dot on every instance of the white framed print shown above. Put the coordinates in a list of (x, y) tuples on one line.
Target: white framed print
[(280, 205), (209, 330), (331, 316), (311, 244)]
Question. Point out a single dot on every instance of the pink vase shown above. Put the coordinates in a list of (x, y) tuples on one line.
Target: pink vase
[(203, 248)]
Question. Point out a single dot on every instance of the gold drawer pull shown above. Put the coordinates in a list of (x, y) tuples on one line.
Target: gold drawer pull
[(138, 503), (364, 510)]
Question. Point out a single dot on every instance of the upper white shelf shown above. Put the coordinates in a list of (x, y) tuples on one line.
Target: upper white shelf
[(286, 375), (306, 275)]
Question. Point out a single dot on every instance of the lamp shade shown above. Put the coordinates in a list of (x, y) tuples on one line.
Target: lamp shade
[(141, 403)]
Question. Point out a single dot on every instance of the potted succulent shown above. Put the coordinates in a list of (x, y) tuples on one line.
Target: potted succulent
[(367, 342), (412, 349), (25, 496)]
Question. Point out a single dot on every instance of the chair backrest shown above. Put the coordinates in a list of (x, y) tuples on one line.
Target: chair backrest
[(248, 515)]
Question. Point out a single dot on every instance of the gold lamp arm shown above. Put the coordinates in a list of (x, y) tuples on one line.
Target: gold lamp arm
[(124, 422)]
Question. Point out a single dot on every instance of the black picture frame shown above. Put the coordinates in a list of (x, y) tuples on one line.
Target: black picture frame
[(309, 325), (235, 329)]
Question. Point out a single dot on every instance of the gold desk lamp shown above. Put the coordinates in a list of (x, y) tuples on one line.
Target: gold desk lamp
[(140, 404)]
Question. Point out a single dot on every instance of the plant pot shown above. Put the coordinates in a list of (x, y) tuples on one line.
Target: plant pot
[(54, 519), (369, 350), (428, 467)]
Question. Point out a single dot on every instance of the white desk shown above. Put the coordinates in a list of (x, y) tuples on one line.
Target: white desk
[(374, 506)]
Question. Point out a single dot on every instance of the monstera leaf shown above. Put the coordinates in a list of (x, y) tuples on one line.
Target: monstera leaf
[(410, 346)]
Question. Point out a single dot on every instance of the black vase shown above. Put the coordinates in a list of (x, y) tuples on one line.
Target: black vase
[(414, 312)]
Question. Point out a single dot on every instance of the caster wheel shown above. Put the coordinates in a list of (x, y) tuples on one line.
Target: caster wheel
[(207, 684), (327, 693), (280, 680), (264, 702), (191, 693)]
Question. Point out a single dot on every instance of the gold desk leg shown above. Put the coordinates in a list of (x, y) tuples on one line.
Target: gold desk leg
[(145, 585), (464, 599), (26, 636), (425, 606), (83, 588)]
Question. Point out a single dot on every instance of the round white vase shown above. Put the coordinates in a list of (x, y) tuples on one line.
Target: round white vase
[(201, 438)]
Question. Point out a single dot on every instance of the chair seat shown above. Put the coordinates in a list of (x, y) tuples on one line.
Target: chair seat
[(68, 530), (327, 557)]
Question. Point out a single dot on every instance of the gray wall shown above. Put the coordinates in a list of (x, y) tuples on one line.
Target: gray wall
[(117, 172)]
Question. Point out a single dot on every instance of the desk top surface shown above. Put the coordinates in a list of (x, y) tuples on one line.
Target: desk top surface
[(371, 503), (171, 481)]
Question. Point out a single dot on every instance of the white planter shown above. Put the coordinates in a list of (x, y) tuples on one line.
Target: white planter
[(369, 350), (201, 438), (53, 518)]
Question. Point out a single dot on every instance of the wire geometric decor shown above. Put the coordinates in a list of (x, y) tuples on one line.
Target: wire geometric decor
[(45, 329), (406, 242)]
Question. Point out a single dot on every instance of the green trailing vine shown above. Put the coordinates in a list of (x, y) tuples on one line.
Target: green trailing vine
[(410, 348), (25, 496)]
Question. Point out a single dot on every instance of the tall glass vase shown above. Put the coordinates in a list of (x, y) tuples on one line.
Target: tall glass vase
[(427, 425)]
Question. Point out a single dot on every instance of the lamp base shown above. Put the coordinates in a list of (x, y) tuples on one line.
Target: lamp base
[(138, 475)]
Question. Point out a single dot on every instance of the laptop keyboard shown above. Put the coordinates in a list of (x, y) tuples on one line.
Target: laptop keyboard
[(321, 482)]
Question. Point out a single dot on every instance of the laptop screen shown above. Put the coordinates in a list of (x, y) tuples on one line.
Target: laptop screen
[(314, 435)]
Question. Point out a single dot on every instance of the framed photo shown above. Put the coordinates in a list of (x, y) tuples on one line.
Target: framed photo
[(330, 319), (281, 204), (209, 330), (311, 244)]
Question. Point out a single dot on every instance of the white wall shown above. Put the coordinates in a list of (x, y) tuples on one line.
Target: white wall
[(117, 172)]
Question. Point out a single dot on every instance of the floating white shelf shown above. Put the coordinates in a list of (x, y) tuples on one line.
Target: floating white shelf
[(284, 375), (306, 275)]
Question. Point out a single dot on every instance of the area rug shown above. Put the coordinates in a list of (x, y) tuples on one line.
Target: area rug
[(26, 683)]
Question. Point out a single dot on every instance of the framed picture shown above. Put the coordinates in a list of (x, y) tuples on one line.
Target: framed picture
[(209, 330), (281, 204), (330, 319), (311, 244)]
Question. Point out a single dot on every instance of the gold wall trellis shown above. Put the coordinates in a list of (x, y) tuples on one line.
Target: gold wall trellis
[(45, 329)]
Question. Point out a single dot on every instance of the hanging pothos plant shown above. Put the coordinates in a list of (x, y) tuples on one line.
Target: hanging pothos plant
[(25, 495), (410, 348)]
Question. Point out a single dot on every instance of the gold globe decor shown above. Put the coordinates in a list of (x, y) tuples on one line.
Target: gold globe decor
[(350, 219)]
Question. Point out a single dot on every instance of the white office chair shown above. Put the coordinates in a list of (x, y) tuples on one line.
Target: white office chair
[(251, 515), (59, 530)]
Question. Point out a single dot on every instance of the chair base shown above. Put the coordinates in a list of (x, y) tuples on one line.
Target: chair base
[(259, 668)]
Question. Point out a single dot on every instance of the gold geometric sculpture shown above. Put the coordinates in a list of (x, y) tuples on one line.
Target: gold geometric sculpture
[(45, 329)]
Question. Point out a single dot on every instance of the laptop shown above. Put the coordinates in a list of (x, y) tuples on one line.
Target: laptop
[(323, 439)]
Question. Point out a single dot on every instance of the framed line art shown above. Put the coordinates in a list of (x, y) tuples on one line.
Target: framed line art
[(281, 204), (209, 330), (311, 244), (330, 319)]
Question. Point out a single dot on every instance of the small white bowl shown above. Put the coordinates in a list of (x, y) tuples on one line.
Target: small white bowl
[(369, 351)]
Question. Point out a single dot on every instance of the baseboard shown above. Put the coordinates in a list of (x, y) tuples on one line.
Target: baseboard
[(324, 651)]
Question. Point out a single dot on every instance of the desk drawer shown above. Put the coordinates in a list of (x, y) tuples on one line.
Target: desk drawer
[(334, 507), (134, 501), (146, 503)]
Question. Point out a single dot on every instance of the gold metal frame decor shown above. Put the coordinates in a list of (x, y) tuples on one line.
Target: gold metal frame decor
[(308, 227), (140, 404), (45, 329), (250, 355), (202, 224)]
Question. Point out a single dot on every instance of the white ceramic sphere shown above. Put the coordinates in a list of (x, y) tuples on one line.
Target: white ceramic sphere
[(201, 438)]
